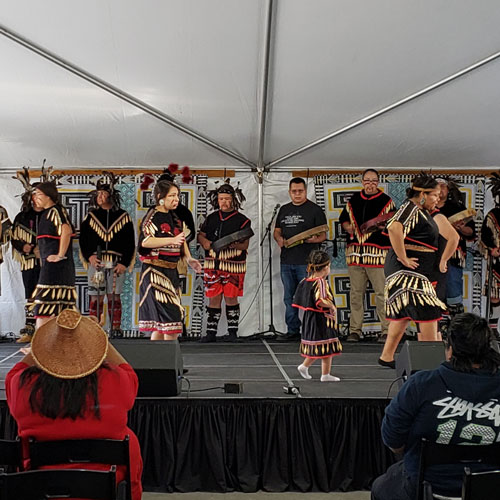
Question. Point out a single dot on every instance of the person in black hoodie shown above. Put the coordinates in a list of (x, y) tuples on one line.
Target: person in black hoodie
[(456, 403)]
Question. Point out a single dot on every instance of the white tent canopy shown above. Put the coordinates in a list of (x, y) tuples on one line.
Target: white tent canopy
[(202, 64)]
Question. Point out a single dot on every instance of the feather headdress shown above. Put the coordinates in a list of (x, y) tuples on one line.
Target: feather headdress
[(494, 185), (107, 184), (226, 188)]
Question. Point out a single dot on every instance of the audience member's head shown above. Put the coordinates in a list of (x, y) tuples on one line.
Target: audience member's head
[(470, 343), (68, 351)]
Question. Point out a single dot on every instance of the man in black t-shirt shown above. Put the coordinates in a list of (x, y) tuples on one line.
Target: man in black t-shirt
[(295, 218)]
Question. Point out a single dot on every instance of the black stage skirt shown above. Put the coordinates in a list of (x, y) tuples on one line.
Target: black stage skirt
[(409, 294), (160, 308), (55, 290)]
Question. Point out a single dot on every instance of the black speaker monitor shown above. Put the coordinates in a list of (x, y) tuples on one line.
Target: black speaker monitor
[(158, 365), (415, 356)]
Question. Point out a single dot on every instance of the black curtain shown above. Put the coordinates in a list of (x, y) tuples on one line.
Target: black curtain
[(245, 445)]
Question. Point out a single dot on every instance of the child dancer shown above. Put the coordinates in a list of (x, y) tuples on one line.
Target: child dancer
[(319, 325)]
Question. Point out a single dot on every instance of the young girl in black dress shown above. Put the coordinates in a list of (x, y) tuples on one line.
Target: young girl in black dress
[(319, 325)]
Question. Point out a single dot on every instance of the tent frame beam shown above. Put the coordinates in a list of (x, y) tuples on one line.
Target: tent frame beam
[(124, 96), (384, 110)]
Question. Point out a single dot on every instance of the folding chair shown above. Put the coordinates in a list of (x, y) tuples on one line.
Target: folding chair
[(440, 454), (10, 455), (82, 451), (480, 485), (59, 483)]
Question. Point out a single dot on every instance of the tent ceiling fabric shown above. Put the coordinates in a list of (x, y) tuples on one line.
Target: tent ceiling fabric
[(332, 63)]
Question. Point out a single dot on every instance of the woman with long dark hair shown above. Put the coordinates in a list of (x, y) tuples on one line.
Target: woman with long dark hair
[(161, 246), (55, 290), (74, 385), (411, 264)]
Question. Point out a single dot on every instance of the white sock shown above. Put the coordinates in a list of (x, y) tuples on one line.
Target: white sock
[(329, 378), (304, 372)]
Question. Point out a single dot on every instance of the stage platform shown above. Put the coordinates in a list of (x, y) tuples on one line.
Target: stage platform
[(321, 437)]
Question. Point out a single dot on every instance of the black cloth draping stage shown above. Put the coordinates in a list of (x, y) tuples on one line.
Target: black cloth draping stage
[(326, 439)]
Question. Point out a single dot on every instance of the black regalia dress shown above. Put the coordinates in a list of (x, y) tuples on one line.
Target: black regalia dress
[(160, 307), (224, 270), (366, 249), (113, 232), (56, 286), (410, 294), (490, 239), (24, 231), (319, 330)]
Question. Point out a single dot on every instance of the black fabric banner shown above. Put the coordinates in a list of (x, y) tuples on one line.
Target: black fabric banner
[(247, 445)]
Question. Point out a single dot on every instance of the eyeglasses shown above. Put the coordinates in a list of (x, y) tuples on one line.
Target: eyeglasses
[(370, 181)]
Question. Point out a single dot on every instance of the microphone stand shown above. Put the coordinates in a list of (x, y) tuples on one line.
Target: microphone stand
[(271, 328), (488, 290)]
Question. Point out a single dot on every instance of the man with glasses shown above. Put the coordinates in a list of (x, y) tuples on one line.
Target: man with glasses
[(363, 219), (300, 228)]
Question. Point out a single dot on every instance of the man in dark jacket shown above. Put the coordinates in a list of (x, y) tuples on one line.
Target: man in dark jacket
[(456, 403)]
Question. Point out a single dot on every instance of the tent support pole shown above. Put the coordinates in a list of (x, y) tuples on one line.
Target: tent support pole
[(130, 99), (384, 110), (264, 86)]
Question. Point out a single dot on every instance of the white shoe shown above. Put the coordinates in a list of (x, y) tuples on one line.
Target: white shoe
[(304, 372), (329, 378)]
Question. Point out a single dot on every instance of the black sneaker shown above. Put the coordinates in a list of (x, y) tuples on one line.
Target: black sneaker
[(231, 338), (208, 338), (353, 337), (288, 337)]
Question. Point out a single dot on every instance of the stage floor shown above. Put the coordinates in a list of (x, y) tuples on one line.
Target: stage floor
[(265, 368)]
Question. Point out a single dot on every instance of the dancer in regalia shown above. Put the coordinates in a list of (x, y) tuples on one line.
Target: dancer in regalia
[(225, 235), (107, 250), (319, 324), (161, 246), (55, 290), (490, 248), (410, 267), (25, 248)]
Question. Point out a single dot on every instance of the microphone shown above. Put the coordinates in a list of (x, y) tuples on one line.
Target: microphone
[(276, 209), (99, 252)]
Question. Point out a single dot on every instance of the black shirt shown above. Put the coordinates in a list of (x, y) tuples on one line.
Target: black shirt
[(294, 219)]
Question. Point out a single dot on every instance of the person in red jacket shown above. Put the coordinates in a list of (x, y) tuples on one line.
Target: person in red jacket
[(74, 385)]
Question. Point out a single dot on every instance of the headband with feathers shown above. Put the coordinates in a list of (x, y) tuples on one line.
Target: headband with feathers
[(494, 185), (23, 176), (226, 188), (106, 184), (168, 174)]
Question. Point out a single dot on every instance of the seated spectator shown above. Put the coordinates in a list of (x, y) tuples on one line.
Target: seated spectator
[(456, 403), (74, 385)]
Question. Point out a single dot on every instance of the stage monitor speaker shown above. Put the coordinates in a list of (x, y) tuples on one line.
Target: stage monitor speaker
[(415, 356), (158, 365)]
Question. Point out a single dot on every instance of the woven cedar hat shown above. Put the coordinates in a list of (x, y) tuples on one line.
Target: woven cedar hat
[(69, 346)]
